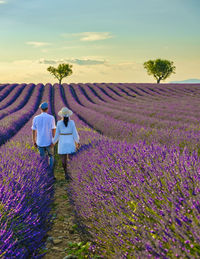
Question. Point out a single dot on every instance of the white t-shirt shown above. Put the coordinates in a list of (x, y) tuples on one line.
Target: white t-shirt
[(43, 124)]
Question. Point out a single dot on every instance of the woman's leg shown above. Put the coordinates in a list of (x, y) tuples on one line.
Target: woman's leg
[(64, 163), (63, 159)]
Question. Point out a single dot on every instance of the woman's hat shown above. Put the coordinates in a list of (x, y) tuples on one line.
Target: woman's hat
[(65, 112)]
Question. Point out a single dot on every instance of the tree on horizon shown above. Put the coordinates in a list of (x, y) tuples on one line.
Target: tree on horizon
[(63, 70), (160, 68)]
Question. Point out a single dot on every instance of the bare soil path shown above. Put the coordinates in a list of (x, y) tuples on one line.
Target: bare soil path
[(64, 239)]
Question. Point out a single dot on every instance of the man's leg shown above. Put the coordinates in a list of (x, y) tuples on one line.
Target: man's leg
[(50, 153), (42, 151)]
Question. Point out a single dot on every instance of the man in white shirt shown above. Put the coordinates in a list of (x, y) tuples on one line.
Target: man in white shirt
[(43, 131)]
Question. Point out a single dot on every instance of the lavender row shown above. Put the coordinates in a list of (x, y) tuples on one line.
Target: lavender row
[(135, 117), (13, 96), (11, 124), (98, 229), (162, 108), (26, 195), (154, 119), (27, 199), (143, 91), (19, 102), (2, 86), (170, 88), (162, 104), (138, 201), (110, 94), (6, 91), (121, 130)]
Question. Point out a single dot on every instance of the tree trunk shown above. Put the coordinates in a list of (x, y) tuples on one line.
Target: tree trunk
[(60, 81), (158, 80)]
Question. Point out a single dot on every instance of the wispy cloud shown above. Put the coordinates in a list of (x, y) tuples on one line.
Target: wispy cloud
[(37, 44), (81, 62), (90, 36), (94, 36), (2, 2)]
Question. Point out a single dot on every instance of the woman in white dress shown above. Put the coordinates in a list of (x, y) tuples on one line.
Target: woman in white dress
[(67, 137)]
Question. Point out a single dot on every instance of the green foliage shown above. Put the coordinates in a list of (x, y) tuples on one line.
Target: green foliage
[(62, 71), (160, 68), (81, 249)]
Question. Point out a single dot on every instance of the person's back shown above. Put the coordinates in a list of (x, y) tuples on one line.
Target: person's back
[(43, 124), (43, 131), (67, 137)]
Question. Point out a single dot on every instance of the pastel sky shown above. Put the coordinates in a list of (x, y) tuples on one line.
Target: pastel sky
[(104, 40)]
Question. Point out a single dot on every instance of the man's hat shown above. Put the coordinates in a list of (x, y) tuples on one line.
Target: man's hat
[(44, 106)]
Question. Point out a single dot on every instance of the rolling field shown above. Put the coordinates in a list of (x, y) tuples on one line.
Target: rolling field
[(136, 178)]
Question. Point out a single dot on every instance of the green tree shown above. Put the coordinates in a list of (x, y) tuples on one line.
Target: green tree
[(160, 68), (62, 71)]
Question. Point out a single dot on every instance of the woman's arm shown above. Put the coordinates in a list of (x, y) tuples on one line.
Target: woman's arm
[(56, 137), (75, 133)]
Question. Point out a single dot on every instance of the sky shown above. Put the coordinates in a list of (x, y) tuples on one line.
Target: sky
[(104, 40)]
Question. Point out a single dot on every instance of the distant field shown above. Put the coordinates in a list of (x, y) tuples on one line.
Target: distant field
[(136, 177)]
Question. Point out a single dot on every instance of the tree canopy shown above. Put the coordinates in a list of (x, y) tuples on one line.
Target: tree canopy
[(160, 68), (62, 71)]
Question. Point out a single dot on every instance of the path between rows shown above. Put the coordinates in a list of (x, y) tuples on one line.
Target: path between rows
[(64, 231)]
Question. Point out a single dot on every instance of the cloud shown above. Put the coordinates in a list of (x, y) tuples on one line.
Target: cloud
[(94, 36), (47, 61), (2, 2), (81, 62), (38, 43), (91, 36)]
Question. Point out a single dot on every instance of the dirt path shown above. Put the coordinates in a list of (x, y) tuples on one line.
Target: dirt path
[(64, 238)]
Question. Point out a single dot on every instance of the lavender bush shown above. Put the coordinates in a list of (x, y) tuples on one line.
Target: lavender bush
[(138, 201), (26, 195), (11, 124), (20, 102), (12, 97)]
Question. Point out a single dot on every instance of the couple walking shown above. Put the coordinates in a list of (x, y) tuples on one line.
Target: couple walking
[(45, 134)]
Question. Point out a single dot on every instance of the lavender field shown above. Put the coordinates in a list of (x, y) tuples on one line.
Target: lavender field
[(135, 185)]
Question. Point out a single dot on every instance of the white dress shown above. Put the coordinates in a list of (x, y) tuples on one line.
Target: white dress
[(66, 137)]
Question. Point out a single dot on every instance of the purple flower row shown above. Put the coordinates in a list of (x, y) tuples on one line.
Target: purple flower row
[(11, 124), (20, 102), (5, 92), (26, 192), (132, 132), (12, 96), (158, 110), (26, 195), (109, 212), (138, 200), (2, 86)]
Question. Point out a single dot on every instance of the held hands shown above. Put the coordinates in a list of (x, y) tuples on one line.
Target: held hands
[(77, 146)]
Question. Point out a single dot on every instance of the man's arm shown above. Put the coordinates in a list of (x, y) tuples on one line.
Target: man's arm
[(53, 127), (34, 137)]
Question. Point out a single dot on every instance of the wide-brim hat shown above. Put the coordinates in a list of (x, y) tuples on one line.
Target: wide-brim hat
[(65, 112)]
